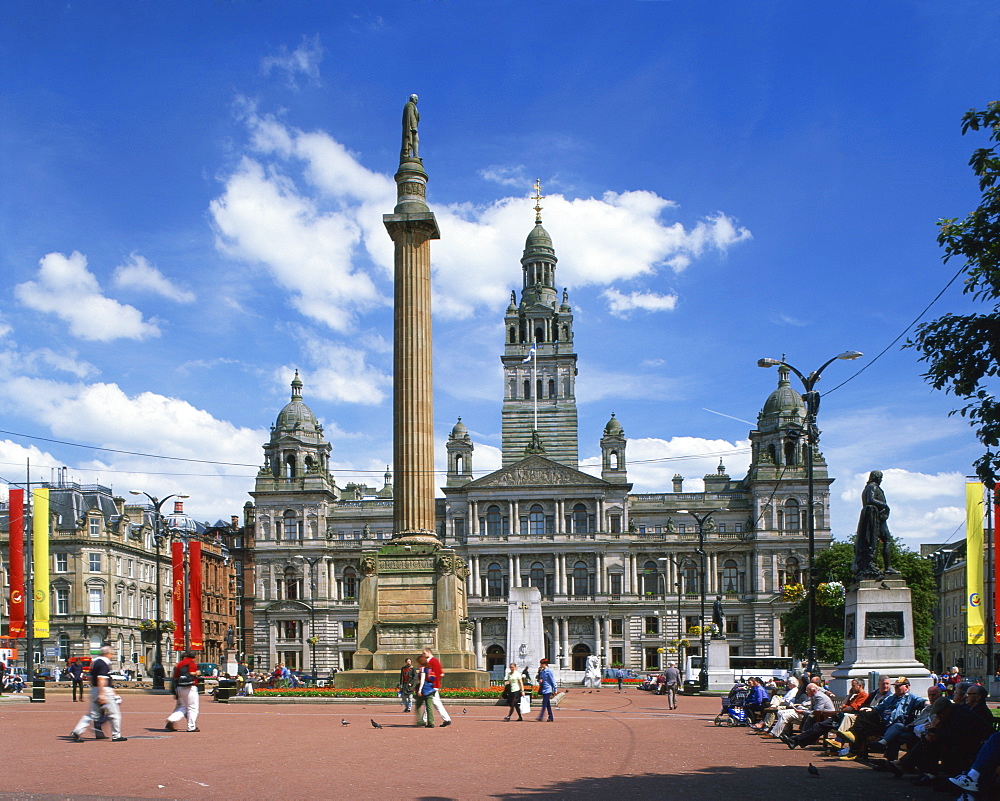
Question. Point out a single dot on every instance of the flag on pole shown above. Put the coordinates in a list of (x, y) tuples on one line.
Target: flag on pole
[(16, 575), (975, 622), (530, 356), (40, 560), (177, 599), (194, 594)]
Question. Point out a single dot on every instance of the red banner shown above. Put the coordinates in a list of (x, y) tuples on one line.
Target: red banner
[(177, 599), (996, 563), (194, 594), (16, 577)]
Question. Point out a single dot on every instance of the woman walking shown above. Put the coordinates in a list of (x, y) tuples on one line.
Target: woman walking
[(546, 686), (515, 689)]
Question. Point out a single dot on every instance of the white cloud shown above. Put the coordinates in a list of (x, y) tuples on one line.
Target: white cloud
[(67, 289), (339, 373), (513, 175), (138, 273), (622, 306), (652, 462), (303, 60), (304, 207)]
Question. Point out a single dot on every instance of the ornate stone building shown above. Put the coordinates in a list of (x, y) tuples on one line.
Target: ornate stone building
[(618, 571)]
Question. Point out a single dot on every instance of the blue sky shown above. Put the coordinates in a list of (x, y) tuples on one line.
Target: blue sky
[(192, 209)]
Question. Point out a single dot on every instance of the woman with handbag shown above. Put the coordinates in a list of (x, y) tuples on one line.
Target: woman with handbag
[(513, 688), (424, 705)]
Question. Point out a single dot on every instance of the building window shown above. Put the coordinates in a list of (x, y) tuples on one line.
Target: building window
[(96, 598), (494, 522), (537, 579), (62, 563), (94, 524), (350, 583), (62, 600), (649, 578), (536, 521), (581, 579), (95, 562)]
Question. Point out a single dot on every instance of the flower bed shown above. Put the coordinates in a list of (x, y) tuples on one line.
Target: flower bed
[(372, 692)]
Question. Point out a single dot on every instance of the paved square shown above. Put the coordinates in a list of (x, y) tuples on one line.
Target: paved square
[(601, 745)]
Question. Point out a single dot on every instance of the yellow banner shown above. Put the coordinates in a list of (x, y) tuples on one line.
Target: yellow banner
[(40, 560), (975, 622)]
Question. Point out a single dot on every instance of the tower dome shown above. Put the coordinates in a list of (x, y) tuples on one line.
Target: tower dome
[(296, 416)]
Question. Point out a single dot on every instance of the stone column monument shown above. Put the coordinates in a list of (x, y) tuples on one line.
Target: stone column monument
[(412, 590)]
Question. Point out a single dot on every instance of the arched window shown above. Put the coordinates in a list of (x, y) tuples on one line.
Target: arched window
[(730, 577), (552, 388), (494, 522), (494, 581), (536, 521), (537, 579), (690, 574), (580, 519), (350, 582), (791, 515), (293, 584), (792, 574), (581, 579), (292, 525), (650, 578)]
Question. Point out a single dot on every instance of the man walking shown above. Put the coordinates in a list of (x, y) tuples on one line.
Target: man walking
[(103, 700), (437, 671), (185, 687), (76, 679), (672, 680)]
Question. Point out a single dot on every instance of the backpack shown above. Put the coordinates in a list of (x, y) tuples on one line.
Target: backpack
[(184, 677)]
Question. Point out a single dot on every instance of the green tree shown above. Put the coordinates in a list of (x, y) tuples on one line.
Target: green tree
[(834, 564), (963, 351)]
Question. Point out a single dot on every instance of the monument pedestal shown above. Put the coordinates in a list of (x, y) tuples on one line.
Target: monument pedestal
[(720, 675), (878, 636), (411, 596)]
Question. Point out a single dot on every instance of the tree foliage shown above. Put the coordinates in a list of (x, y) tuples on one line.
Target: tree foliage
[(963, 351), (834, 564)]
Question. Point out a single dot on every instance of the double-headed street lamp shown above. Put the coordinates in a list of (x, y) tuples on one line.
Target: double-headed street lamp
[(158, 536), (811, 400), (702, 519)]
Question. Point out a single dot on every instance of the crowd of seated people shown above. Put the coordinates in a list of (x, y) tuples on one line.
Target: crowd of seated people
[(944, 741)]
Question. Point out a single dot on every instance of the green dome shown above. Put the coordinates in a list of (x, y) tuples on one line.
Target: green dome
[(784, 401)]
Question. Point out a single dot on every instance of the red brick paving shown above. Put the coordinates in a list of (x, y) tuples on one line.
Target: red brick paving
[(601, 745)]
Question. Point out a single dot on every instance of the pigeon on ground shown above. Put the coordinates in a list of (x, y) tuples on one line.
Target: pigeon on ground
[(344, 722), (376, 725), (813, 771)]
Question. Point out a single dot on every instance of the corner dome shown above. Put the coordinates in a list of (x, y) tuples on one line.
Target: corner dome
[(613, 428), (784, 401)]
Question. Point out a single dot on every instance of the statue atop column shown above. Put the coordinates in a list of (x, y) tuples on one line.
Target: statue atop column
[(873, 533), (411, 141)]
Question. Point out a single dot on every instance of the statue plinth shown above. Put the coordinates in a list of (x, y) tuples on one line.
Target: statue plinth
[(878, 635)]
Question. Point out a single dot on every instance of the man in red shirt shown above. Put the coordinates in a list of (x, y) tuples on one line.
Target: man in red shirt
[(438, 672)]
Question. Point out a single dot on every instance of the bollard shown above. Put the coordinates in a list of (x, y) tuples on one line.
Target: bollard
[(38, 691)]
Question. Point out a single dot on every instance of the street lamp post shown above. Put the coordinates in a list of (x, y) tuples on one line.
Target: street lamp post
[(158, 535), (701, 519), (811, 399)]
